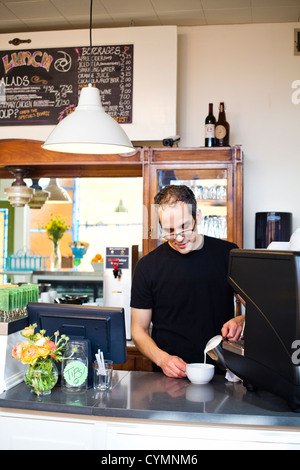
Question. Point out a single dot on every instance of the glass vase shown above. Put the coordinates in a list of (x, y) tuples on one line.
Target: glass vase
[(42, 376), (55, 258)]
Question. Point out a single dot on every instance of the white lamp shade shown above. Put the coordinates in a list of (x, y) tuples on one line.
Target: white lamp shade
[(89, 129), (57, 194)]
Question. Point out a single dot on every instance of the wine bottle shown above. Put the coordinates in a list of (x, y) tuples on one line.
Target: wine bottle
[(222, 128), (210, 122)]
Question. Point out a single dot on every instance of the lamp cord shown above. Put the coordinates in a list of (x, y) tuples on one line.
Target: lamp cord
[(91, 16)]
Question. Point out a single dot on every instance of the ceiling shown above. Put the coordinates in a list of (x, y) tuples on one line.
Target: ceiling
[(43, 15)]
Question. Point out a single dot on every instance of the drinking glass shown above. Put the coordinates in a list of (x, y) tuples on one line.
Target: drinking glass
[(103, 382)]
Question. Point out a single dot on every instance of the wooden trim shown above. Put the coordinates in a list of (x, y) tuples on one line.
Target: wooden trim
[(197, 155), (42, 163), (77, 171)]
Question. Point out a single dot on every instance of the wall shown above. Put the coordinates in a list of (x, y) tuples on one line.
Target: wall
[(251, 68), (154, 75)]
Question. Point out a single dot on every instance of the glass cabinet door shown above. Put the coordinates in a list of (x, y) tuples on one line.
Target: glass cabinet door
[(210, 189), (212, 185), (216, 177)]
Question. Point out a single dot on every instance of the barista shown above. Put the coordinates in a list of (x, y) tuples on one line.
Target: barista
[(181, 287)]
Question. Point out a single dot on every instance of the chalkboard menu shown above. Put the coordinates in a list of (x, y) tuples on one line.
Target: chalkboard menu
[(41, 87)]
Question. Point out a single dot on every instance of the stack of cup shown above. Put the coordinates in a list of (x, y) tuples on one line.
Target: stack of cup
[(14, 300)]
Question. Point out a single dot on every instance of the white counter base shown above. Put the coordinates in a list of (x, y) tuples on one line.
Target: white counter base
[(32, 430)]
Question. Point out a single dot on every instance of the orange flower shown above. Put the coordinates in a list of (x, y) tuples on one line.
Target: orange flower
[(50, 345), (39, 347), (42, 351), (17, 350), (29, 354), (28, 331)]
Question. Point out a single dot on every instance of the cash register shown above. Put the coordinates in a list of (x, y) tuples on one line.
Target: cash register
[(268, 356)]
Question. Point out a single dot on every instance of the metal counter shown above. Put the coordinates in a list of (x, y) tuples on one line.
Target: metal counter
[(152, 396)]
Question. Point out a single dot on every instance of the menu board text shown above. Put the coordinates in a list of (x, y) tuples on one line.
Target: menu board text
[(41, 87)]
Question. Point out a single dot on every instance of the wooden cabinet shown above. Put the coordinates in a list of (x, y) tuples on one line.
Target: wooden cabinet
[(135, 361), (216, 177)]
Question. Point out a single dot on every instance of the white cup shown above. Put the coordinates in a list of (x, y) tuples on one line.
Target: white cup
[(45, 297), (199, 373), (53, 295), (295, 240)]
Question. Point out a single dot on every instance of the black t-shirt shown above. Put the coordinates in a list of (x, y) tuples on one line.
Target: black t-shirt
[(189, 295)]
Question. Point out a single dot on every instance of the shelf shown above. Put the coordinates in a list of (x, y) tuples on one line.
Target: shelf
[(212, 202)]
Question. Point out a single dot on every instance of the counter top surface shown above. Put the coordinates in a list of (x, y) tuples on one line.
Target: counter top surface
[(69, 273), (151, 395)]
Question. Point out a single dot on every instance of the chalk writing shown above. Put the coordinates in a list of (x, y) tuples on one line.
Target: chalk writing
[(47, 83)]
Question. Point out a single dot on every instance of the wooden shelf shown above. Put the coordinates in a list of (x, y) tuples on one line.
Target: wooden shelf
[(212, 202)]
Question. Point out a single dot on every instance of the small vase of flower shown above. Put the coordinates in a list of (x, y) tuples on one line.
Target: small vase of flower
[(39, 353), (55, 229), (55, 257), (42, 376)]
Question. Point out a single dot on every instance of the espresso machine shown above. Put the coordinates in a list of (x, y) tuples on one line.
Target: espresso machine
[(268, 356)]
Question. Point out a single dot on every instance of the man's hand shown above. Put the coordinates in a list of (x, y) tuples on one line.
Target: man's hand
[(233, 328), (172, 366)]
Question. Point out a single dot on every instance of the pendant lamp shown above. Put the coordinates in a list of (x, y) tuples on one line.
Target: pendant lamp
[(89, 130), (39, 197), (18, 194), (57, 194), (120, 207)]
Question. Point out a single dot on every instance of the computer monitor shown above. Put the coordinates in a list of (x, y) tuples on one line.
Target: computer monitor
[(103, 327)]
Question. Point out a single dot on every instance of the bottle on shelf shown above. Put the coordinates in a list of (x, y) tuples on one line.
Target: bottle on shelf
[(210, 122), (222, 129)]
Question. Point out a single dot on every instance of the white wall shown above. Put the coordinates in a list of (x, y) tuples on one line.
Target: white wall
[(22, 220), (154, 75), (251, 68)]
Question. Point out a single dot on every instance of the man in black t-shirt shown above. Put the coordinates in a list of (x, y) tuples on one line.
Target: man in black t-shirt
[(181, 287)]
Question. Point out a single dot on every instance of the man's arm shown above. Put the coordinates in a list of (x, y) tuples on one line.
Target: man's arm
[(172, 366)]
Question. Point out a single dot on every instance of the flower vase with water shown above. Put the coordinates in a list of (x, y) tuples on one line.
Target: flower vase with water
[(55, 258)]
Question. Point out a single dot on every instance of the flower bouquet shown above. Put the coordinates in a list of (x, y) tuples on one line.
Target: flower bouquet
[(55, 230), (39, 352)]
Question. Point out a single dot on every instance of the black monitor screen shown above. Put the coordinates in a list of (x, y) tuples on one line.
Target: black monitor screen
[(269, 282), (103, 327)]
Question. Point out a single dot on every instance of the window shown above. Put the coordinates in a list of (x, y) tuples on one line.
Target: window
[(96, 216), (6, 233)]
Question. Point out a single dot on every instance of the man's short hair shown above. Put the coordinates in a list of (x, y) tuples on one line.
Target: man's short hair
[(172, 193)]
